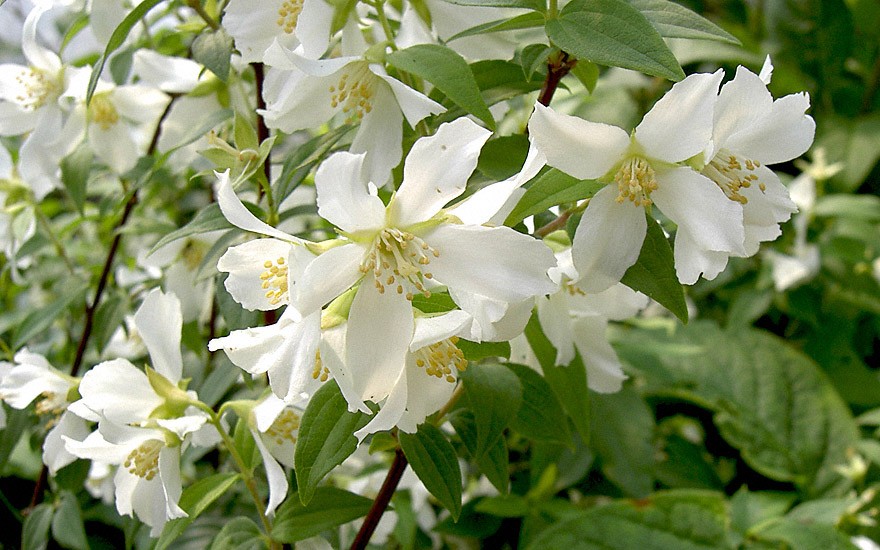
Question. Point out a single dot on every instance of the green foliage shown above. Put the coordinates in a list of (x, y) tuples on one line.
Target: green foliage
[(494, 394), (213, 49), (612, 33), (328, 508), (433, 460), (325, 438), (550, 189)]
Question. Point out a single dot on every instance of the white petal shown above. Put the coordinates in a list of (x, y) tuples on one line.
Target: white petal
[(494, 320), (55, 454), (679, 125), (246, 263), (766, 71), (119, 391), (604, 372), (495, 262), (583, 149), (392, 409), (115, 146), (328, 276), (266, 411), (616, 303), (436, 171), (240, 216), (95, 447), (159, 323), (169, 472), (274, 475), (379, 136), (691, 260), (699, 207), (608, 240), (343, 196), (380, 328), (182, 425), (430, 330), (782, 134), (557, 324), (333, 350), (414, 104), (741, 103), (169, 74), (426, 394), (313, 27), (291, 377)]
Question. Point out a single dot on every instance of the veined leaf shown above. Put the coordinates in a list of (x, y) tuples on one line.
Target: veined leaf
[(675, 21), (537, 5), (433, 460), (194, 500), (494, 462), (448, 72), (552, 188), (328, 508), (524, 21), (615, 34), (541, 416), (494, 394)]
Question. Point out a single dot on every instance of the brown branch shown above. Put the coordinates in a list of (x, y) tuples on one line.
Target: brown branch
[(381, 502), (557, 67), (262, 129)]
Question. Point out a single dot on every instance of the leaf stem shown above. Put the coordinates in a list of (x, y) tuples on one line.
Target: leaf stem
[(197, 6), (392, 479)]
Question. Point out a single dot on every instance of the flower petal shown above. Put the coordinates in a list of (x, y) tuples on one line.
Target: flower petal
[(496, 262), (608, 240), (701, 208), (679, 125), (414, 104), (159, 323), (343, 197), (392, 409), (604, 372), (557, 322), (118, 391), (239, 216), (328, 276), (583, 149), (313, 27), (246, 264), (436, 171), (274, 475), (380, 328), (426, 394), (691, 261), (379, 137), (784, 133), (430, 330)]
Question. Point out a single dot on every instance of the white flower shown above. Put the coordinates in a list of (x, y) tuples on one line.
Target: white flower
[(275, 427), (750, 131), (144, 419), (31, 378), (644, 169), (573, 319), (308, 93), (256, 24)]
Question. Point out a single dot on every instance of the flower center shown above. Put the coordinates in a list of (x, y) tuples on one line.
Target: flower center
[(732, 174), (275, 280), (635, 180), (144, 460), (36, 89), (320, 372), (288, 14), (284, 428), (103, 112), (573, 289), (399, 258), (355, 89), (438, 359)]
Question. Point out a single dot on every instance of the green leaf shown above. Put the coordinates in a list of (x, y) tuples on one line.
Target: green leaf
[(67, 523), (859, 207), (494, 462), (35, 532), (194, 500), (433, 460), (674, 21), (197, 132), (75, 169), (569, 382), (622, 430), (245, 444), (448, 72), (41, 319), (297, 164), (329, 508), (325, 438), (803, 536), (494, 394), (503, 157), (551, 188), (615, 34), (239, 534), (108, 317), (748, 509), (505, 506), (116, 40), (245, 133), (525, 21), (213, 49), (683, 520), (209, 218), (540, 416), (770, 401), (587, 73), (653, 274), (537, 5), (474, 351)]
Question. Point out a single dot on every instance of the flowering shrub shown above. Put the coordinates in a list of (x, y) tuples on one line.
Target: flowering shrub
[(419, 273)]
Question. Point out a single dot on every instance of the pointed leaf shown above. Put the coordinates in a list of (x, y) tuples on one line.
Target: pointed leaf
[(433, 460), (329, 508), (550, 189), (213, 49), (67, 523), (325, 438), (494, 394), (494, 462), (239, 533), (448, 72), (613, 33), (674, 21), (540, 416), (194, 500), (653, 274), (35, 532)]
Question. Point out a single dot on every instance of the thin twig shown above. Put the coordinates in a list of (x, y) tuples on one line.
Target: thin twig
[(381, 502), (557, 67)]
